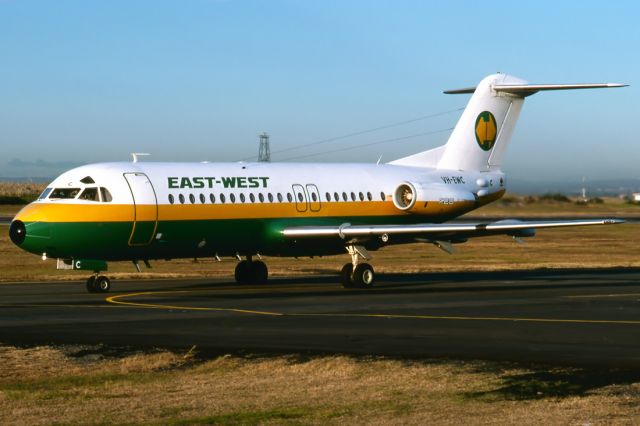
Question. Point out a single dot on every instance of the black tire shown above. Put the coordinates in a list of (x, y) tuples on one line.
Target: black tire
[(364, 276), (102, 284), (91, 282), (243, 272), (345, 275), (260, 273)]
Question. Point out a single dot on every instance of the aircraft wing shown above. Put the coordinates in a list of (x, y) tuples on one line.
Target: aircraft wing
[(435, 231)]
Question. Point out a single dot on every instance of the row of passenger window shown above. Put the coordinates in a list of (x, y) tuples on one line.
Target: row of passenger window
[(222, 198)]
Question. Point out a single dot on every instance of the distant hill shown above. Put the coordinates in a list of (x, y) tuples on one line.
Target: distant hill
[(27, 180)]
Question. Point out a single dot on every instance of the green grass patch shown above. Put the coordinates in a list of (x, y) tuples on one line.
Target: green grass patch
[(68, 386), (13, 200)]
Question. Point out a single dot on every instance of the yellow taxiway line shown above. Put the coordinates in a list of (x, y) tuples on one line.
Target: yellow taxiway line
[(117, 300)]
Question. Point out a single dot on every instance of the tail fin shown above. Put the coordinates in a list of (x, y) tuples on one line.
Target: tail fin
[(480, 139)]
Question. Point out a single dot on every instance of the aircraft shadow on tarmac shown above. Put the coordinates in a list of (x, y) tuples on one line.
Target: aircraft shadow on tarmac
[(396, 283)]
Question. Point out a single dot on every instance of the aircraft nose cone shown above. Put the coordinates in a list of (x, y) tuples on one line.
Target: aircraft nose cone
[(17, 232)]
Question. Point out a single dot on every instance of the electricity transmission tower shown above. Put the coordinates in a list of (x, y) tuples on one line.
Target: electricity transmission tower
[(264, 154)]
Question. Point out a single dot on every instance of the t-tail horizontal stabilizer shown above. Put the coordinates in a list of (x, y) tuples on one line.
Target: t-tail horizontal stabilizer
[(530, 89)]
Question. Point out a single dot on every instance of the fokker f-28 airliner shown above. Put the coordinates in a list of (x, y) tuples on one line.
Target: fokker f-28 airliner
[(141, 211)]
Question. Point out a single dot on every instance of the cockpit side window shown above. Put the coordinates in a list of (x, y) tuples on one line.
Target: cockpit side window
[(45, 193), (106, 195), (64, 193), (90, 194)]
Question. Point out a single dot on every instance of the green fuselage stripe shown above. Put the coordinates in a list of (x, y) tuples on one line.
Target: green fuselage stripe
[(185, 239)]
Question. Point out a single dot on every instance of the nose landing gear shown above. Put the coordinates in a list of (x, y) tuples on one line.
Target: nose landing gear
[(98, 284)]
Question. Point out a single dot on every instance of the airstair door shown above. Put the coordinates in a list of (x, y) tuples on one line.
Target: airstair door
[(145, 209)]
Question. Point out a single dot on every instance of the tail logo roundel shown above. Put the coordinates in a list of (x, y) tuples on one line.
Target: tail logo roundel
[(486, 130)]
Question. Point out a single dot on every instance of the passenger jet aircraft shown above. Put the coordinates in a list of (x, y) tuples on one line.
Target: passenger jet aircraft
[(141, 211)]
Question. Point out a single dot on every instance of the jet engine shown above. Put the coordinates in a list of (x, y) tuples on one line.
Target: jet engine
[(405, 196), (431, 199)]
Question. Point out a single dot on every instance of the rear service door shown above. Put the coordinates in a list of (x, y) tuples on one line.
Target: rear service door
[(145, 208), (314, 197)]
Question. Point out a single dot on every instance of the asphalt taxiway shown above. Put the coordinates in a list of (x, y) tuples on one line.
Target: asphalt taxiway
[(569, 317)]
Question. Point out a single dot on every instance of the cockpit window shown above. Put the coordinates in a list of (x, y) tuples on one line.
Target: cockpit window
[(89, 194), (64, 193), (44, 193), (106, 195), (87, 179)]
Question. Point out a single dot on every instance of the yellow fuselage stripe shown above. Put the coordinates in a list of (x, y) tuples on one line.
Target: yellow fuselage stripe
[(102, 212)]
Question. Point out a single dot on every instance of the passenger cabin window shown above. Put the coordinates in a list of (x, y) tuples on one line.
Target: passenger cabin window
[(181, 198), (232, 197), (192, 198), (106, 195), (261, 197), (289, 197), (270, 196), (252, 198), (222, 198), (382, 196), (344, 196), (361, 196), (242, 198), (369, 196), (171, 199), (353, 196), (90, 194), (202, 199), (328, 196), (336, 196), (64, 193), (45, 193), (280, 197), (212, 198)]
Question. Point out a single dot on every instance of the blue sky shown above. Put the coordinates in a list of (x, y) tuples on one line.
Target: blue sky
[(89, 81)]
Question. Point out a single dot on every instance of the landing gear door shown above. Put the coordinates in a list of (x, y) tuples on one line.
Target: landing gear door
[(301, 198), (314, 197), (145, 209)]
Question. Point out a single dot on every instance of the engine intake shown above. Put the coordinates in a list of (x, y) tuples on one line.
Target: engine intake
[(405, 196)]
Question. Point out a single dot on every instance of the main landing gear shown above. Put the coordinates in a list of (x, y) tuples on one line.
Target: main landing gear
[(356, 274), (98, 284), (251, 272)]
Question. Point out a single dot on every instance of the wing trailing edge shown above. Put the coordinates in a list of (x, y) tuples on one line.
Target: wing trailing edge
[(467, 230)]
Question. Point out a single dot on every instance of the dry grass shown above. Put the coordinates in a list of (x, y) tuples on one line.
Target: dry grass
[(20, 189), (590, 247), (519, 206), (79, 385)]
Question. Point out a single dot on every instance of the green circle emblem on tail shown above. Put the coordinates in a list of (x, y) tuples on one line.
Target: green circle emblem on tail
[(486, 130)]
